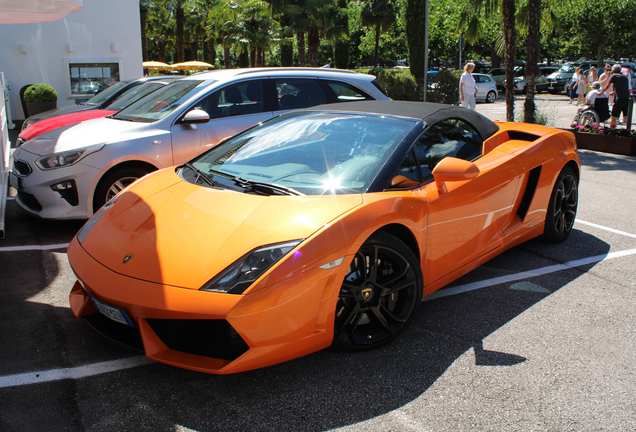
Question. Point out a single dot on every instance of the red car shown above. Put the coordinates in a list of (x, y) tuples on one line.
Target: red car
[(128, 97)]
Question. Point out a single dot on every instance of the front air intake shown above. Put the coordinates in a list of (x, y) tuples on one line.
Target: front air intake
[(208, 338)]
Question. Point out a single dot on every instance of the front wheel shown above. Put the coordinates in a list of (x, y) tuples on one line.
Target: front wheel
[(379, 295), (114, 182), (562, 207), (491, 97)]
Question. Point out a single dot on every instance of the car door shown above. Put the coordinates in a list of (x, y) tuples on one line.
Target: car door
[(232, 109), (483, 85), (467, 221)]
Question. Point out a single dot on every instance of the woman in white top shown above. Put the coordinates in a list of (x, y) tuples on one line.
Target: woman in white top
[(468, 87)]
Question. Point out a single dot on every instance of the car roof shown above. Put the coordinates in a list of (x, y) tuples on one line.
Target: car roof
[(225, 74), (429, 112)]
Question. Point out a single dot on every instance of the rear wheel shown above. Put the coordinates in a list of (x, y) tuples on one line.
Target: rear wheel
[(114, 182), (589, 118), (491, 97), (379, 296), (562, 207)]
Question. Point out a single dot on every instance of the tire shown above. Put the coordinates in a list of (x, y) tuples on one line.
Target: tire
[(375, 307), (562, 207), (113, 183), (491, 97)]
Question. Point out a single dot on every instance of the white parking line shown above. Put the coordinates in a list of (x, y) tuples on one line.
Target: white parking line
[(71, 373), (612, 230), (527, 274), (34, 247)]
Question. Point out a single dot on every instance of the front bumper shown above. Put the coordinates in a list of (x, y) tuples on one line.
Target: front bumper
[(205, 331), (34, 193)]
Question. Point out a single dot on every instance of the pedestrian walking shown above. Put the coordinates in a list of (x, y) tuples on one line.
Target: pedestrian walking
[(604, 79), (468, 87), (581, 88), (573, 84), (621, 89)]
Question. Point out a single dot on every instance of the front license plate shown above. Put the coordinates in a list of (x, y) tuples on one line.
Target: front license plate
[(14, 181), (112, 312)]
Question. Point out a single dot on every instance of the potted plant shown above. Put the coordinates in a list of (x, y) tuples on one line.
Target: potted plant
[(40, 98), (604, 139)]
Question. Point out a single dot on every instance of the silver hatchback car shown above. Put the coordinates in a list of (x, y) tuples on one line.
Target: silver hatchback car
[(69, 173), (486, 88)]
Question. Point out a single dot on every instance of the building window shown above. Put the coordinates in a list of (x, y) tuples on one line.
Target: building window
[(86, 78)]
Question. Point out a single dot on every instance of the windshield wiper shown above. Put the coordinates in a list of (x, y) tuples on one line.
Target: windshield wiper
[(254, 185), (272, 187), (200, 174)]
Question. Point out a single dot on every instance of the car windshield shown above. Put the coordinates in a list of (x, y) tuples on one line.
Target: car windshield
[(568, 68), (105, 94), (312, 153), (160, 103), (133, 95)]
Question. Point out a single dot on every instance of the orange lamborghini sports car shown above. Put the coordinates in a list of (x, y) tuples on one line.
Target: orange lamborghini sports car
[(321, 227)]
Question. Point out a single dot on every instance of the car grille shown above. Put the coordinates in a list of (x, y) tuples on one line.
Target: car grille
[(23, 169), (208, 338), (29, 201)]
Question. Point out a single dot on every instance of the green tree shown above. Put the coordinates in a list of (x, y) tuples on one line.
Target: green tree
[(381, 15)]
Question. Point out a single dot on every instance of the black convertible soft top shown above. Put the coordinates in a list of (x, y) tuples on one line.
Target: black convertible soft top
[(429, 112)]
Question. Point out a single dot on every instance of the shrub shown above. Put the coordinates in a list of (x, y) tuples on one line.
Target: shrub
[(444, 88), (40, 93), (398, 83)]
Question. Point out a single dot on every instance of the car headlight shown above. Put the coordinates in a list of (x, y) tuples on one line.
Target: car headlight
[(88, 226), (518, 79), (243, 272), (67, 158)]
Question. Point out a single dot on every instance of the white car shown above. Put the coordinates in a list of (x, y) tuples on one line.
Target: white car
[(486, 88), (70, 172)]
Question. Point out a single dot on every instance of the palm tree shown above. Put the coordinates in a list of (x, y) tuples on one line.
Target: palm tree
[(469, 22), (315, 17), (380, 14)]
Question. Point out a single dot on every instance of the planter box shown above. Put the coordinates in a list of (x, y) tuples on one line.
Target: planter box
[(39, 107), (606, 143)]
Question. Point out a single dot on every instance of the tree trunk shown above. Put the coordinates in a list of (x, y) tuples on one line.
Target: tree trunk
[(260, 58), (313, 39), (532, 57), (509, 11), (377, 45), (161, 46), (180, 48), (252, 57), (227, 58), (144, 48), (300, 38)]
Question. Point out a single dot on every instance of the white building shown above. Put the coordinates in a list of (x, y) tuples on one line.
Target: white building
[(77, 54)]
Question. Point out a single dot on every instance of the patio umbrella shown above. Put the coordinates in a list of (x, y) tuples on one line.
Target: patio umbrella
[(193, 65), (155, 65)]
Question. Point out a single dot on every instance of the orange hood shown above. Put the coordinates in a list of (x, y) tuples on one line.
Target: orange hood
[(181, 234)]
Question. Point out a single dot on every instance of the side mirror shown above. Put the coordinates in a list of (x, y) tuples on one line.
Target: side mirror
[(453, 169), (195, 116)]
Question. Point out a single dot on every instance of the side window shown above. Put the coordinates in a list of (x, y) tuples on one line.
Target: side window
[(453, 137), (407, 175), (295, 93), (346, 92), (236, 99)]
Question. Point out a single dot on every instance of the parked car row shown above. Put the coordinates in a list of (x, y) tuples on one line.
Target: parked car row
[(71, 171), (520, 84), (267, 232)]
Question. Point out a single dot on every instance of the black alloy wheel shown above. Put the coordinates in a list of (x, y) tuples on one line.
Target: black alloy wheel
[(379, 296), (562, 208)]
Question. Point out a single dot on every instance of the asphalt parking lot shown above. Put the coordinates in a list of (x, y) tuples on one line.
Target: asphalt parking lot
[(538, 339)]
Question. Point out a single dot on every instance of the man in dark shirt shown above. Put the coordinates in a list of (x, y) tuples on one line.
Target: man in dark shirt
[(621, 89)]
